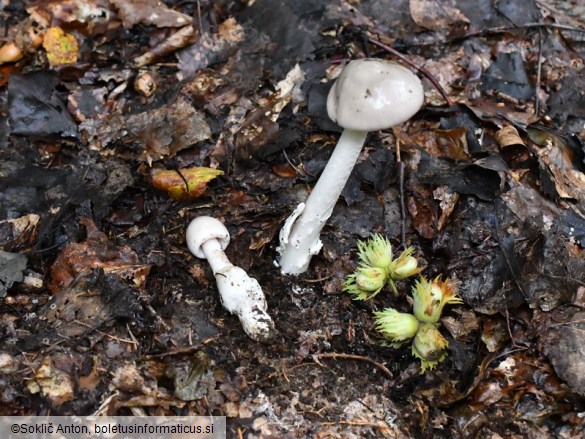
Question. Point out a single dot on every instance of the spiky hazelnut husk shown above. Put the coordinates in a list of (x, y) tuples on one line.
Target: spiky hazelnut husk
[(397, 327), (371, 278), (405, 265), (431, 296), (429, 346), (376, 252), (366, 282)]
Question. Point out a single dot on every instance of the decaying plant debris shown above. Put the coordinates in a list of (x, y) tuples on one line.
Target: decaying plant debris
[(103, 310)]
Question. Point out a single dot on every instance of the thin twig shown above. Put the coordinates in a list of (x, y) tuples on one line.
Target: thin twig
[(283, 372), (400, 164), (538, 74), (318, 280), (178, 171), (105, 334), (497, 30), (574, 322), (422, 70), (172, 352), (569, 278), (352, 423), (353, 357), (298, 169)]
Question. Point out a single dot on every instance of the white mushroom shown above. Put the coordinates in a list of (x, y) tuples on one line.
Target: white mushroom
[(369, 95), (207, 238)]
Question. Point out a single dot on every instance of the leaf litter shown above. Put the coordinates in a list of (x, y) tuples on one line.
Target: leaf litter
[(493, 189)]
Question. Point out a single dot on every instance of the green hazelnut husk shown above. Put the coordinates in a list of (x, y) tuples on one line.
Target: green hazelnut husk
[(429, 346), (429, 298), (371, 279), (405, 265), (396, 327), (376, 252), (365, 283)]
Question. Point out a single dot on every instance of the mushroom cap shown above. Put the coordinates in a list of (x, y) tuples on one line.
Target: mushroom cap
[(374, 94), (201, 230)]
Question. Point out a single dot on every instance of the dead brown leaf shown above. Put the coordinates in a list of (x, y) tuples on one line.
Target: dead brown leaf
[(96, 252), (436, 14), (447, 202), (423, 212), (569, 182), (450, 144), (179, 39), (167, 130), (149, 12)]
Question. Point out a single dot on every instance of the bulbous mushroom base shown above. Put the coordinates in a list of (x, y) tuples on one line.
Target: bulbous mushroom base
[(299, 238), (242, 295)]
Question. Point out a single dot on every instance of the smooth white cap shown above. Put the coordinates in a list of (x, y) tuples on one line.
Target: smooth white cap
[(201, 230), (374, 94)]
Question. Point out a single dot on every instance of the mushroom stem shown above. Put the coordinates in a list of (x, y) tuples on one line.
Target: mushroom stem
[(240, 294), (215, 256), (303, 242)]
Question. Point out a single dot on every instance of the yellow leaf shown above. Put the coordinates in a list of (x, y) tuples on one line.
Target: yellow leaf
[(61, 47), (196, 178)]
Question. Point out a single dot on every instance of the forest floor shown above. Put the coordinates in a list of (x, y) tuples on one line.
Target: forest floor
[(110, 109)]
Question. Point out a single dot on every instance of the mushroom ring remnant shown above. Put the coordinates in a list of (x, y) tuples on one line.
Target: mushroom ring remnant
[(240, 294), (369, 95)]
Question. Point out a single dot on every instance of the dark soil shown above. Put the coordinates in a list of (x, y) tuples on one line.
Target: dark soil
[(103, 310)]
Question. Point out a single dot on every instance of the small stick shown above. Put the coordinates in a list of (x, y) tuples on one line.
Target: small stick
[(353, 357), (400, 164), (172, 352), (538, 73), (422, 70), (498, 30), (283, 372)]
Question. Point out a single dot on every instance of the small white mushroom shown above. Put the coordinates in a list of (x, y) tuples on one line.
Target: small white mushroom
[(369, 95), (207, 238)]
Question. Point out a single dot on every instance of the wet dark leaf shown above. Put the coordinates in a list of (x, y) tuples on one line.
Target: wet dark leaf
[(11, 267), (291, 41), (518, 12), (474, 179), (36, 109), (507, 75), (554, 269), (569, 101), (563, 337)]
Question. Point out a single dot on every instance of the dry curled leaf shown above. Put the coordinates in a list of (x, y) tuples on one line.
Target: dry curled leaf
[(183, 184), (508, 136)]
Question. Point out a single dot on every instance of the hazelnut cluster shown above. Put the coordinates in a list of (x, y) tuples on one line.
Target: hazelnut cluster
[(378, 267)]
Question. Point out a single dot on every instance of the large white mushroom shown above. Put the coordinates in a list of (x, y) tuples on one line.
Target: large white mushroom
[(369, 95), (207, 238)]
